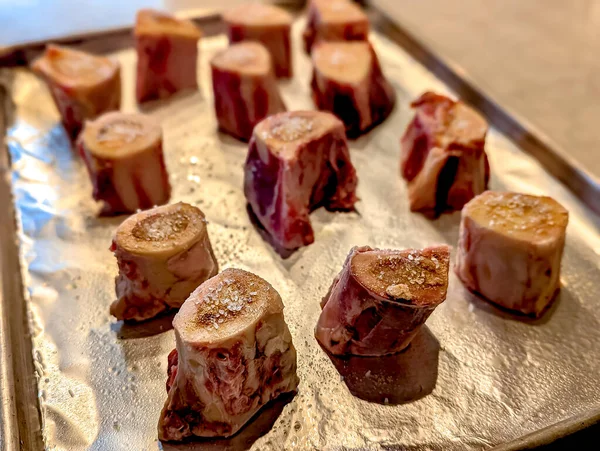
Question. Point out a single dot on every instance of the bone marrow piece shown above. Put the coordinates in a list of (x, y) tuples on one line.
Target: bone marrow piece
[(82, 85), (381, 298), (167, 50), (334, 20), (266, 24), (245, 88), (296, 162), (347, 80), (163, 255), (124, 157), (234, 353), (510, 249), (443, 155)]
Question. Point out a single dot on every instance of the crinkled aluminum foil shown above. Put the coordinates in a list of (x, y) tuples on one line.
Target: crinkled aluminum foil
[(474, 377)]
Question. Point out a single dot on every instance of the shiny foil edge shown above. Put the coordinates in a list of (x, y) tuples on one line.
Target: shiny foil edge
[(585, 224)]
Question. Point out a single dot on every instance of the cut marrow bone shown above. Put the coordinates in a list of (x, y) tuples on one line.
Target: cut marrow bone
[(510, 249), (297, 161), (443, 158), (167, 50), (163, 255), (124, 157), (234, 353), (245, 88), (82, 85), (266, 24), (334, 20), (348, 82), (381, 298)]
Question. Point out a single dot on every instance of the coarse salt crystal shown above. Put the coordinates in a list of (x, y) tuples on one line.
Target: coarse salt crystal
[(122, 132), (293, 129)]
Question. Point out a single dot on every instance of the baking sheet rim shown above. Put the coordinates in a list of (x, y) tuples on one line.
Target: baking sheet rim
[(16, 420)]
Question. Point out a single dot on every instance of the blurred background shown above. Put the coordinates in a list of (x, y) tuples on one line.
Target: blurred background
[(537, 58)]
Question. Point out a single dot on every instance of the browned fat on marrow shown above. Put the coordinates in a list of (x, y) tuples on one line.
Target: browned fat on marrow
[(163, 255), (510, 249), (335, 20), (381, 298), (82, 85), (245, 88), (234, 354), (167, 50), (443, 155), (124, 157), (296, 162), (266, 24), (347, 80)]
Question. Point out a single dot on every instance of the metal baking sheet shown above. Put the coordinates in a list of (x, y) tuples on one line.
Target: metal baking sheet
[(558, 161), (476, 377)]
